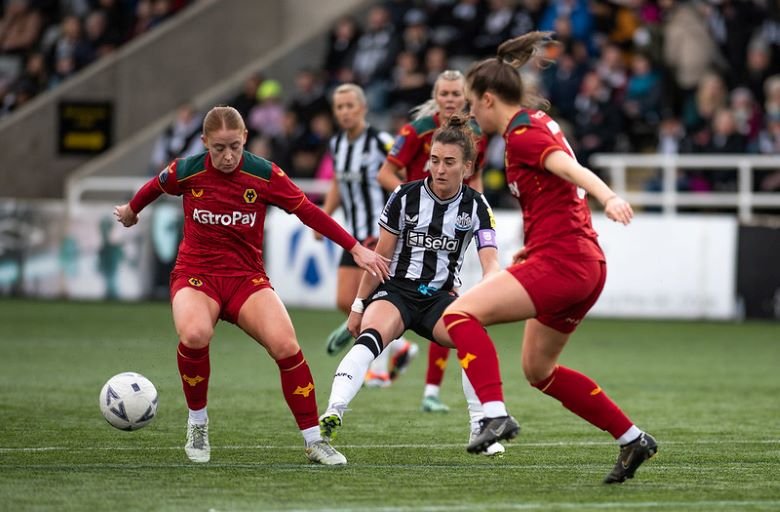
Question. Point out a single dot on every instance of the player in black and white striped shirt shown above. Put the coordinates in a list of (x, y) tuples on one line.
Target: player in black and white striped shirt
[(358, 151), (434, 233), (426, 227)]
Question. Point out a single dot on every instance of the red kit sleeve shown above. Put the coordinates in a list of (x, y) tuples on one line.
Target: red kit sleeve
[(145, 195), (532, 144), (405, 147), (164, 182)]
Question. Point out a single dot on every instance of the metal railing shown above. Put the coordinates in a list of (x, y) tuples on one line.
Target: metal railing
[(744, 199), (618, 165)]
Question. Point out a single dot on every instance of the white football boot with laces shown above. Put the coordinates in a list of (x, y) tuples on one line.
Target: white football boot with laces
[(322, 452), (198, 448)]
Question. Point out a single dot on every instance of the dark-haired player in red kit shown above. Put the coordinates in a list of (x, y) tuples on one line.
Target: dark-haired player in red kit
[(219, 272), (408, 159), (555, 279)]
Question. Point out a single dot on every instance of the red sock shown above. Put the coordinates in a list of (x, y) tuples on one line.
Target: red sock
[(298, 389), (194, 368), (437, 362), (583, 397), (477, 355)]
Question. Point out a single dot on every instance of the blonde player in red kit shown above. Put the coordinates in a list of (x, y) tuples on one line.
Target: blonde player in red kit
[(219, 272), (555, 279)]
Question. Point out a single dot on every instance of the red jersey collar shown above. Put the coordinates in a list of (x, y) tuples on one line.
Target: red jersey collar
[(513, 122)]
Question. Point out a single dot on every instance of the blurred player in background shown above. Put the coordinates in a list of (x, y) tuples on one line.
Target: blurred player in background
[(427, 226), (358, 151), (408, 161), (219, 272), (559, 274)]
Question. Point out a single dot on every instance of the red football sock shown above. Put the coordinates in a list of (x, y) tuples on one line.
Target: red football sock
[(477, 355), (194, 368), (583, 397), (437, 362), (298, 389)]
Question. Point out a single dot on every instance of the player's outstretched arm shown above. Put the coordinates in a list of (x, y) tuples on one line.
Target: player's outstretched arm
[(127, 213), (316, 219), (332, 201), (562, 164)]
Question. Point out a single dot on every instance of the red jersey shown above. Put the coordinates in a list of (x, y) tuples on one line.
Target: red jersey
[(224, 214), (556, 216), (412, 147)]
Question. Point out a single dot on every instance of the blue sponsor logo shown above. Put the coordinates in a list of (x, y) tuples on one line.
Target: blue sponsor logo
[(304, 261), (427, 290), (398, 145)]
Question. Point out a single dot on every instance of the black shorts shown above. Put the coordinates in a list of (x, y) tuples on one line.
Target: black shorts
[(346, 257), (419, 311)]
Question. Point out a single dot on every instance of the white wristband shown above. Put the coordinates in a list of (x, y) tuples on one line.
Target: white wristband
[(358, 306)]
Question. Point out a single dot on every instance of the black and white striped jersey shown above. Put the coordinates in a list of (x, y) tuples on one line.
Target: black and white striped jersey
[(433, 234), (356, 165)]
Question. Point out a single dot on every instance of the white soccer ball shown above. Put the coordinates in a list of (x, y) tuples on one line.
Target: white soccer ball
[(128, 401)]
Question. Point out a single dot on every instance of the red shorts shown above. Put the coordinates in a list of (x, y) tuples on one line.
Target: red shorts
[(229, 292), (562, 290)]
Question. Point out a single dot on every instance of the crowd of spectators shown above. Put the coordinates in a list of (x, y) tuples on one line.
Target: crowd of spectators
[(43, 42), (669, 76)]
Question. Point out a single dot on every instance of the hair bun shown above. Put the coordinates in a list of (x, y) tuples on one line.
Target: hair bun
[(457, 120)]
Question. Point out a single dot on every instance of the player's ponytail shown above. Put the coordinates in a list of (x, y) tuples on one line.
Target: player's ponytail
[(456, 130), (516, 52), (500, 75)]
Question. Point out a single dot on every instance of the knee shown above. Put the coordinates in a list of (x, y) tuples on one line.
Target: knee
[(196, 336), (535, 372), (283, 348)]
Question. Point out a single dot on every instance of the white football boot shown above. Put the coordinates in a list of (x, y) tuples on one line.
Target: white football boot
[(321, 452), (198, 448)]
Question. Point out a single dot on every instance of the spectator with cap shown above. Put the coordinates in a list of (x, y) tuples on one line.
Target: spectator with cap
[(267, 117)]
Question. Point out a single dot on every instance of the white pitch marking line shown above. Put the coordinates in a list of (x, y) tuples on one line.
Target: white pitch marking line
[(674, 505), (441, 446)]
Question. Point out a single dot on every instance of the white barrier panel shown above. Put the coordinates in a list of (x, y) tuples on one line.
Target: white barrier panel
[(669, 267), (658, 267)]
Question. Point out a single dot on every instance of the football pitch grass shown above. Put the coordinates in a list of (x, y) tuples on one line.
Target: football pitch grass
[(709, 392)]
